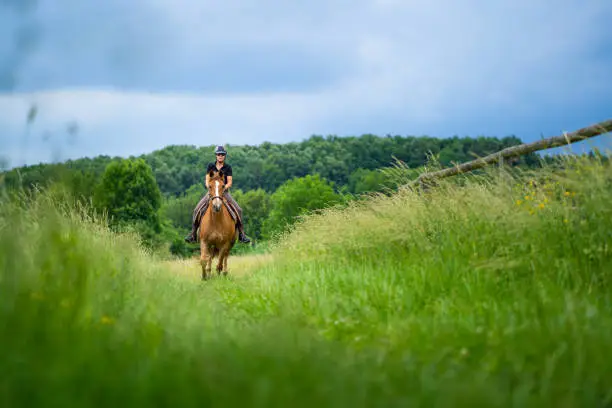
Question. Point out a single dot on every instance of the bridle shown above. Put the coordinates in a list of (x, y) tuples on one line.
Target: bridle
[(212, 197), (216, 196)]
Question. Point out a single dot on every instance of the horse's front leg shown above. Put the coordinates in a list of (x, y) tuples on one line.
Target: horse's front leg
[(205, 260), (222, 265), (225, 270)]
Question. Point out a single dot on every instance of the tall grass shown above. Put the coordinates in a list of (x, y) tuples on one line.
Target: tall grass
[(492, 293)]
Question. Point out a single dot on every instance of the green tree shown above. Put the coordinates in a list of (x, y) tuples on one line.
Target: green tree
[(296, 197), (129, 193), (255, 206), (366, 181), (179, 210)]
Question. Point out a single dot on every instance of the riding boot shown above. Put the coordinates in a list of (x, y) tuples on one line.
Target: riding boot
[(243, 238), (191, 237)]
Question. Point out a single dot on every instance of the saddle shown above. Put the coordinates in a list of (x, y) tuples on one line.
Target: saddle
[(230, 208)]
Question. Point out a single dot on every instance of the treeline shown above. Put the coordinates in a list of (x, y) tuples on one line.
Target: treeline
[(156, 192)]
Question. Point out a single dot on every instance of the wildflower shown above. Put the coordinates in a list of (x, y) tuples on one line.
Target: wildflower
[(541, 206), (565, 220), (519, 202), (106, 320)]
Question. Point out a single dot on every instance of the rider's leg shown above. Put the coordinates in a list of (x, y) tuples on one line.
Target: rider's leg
[(197, 216), (239, 224)]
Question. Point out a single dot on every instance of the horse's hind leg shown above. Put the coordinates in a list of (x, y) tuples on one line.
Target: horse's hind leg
[(205, 261)]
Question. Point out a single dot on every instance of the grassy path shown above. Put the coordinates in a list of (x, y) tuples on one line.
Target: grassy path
[(238, 265)]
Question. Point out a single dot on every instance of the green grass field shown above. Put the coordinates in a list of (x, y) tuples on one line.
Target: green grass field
[(492, 294)]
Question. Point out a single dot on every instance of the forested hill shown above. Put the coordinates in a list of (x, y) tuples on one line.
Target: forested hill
[(342, 160)]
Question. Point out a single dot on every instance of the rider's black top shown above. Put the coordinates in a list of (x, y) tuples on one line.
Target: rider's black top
[(226, 169)]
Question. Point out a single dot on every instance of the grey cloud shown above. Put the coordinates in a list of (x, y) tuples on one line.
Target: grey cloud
[(187, 71), (19, 36), (140, 45)]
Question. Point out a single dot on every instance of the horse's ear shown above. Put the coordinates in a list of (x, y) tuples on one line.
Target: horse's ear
[(211, 174), (221, 173)]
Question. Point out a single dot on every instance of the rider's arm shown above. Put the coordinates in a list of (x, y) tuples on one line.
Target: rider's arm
[(210, 167), (229, 182)]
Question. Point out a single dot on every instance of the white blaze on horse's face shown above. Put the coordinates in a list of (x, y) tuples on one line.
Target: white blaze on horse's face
[(217, 200)]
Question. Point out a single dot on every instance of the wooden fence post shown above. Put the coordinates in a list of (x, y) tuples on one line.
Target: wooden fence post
[(515, 151)]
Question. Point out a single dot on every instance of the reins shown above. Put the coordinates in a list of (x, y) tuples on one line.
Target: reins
[(216, 196)]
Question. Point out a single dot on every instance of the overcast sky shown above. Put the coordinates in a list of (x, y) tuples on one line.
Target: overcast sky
[(142, 74)]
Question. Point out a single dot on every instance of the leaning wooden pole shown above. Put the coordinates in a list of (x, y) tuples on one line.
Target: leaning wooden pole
[(526, 148)]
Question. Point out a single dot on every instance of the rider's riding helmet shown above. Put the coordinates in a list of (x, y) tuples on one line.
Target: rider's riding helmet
[(220, 150)]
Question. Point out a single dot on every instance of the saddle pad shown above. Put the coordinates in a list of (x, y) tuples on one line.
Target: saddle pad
[(227, 204)]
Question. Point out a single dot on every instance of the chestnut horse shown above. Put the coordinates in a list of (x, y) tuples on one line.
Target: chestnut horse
[(218, 232)]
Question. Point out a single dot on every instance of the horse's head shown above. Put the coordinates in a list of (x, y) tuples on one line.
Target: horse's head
[(215, 189)]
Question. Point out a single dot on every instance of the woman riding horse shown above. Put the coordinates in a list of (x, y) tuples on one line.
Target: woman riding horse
[(200, 209)]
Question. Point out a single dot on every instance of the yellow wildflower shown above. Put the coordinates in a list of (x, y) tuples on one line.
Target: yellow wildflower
[(106, 320)]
